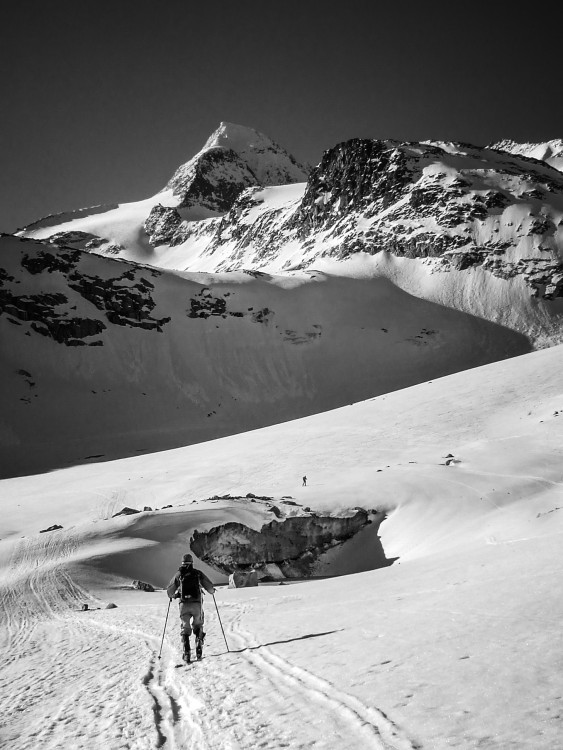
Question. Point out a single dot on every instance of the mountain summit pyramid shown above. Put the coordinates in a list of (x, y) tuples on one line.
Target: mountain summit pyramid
[(269, 163), (233, 158)]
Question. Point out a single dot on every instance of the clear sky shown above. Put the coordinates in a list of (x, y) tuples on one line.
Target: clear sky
[(101, 101)]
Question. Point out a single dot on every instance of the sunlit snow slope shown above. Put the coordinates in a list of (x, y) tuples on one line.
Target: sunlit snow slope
[(102, 359)]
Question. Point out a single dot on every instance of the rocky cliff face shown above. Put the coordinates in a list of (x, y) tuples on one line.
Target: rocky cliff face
[(285, 548), (466, 216), (125, 299), (460, 205)]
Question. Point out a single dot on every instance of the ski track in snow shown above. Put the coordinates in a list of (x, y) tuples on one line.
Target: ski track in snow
[(93, 680), (58, 687), (344, 720)]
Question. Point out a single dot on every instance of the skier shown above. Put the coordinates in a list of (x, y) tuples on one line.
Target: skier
[(186, 586), (304, 481)]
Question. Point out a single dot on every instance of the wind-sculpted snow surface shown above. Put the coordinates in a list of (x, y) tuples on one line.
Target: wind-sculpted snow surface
[(103, 359)]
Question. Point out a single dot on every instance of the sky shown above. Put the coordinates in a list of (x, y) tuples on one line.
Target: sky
[(102, 101)]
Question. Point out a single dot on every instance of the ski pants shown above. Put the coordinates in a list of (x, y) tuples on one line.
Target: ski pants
[(189, 610)]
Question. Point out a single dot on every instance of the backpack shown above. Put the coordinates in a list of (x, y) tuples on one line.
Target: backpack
[(189, 589)]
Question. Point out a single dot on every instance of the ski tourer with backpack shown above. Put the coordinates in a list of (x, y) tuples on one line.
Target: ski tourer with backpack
[(187, 586)]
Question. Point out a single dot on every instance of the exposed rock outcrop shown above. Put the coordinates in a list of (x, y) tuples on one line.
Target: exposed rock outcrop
[(162, 224), (213, 180), (143, 586), (84, 241), (46, 313), (126, 299), (233, 158), (240, 579), (126, 512)]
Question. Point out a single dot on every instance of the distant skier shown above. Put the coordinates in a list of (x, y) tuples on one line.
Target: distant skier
[(186, 586), (304, 481)]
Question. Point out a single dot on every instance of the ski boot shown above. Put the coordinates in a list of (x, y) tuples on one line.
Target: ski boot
[(186, 656), (199, 645)]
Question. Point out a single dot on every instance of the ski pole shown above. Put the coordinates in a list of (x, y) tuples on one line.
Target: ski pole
[(220, 623), (164, 631)]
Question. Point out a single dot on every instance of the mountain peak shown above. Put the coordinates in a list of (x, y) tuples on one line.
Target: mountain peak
[(269, 162), (233, 158), (237, 137)]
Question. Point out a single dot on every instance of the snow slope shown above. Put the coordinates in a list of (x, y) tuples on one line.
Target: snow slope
[(456, 645), (551, 152), (103, 359)]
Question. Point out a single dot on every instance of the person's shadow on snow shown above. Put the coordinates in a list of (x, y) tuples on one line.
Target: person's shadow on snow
[(288, 640)]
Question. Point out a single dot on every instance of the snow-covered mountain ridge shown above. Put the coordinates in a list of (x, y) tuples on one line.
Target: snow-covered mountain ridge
[(479, 229), (550, 152)]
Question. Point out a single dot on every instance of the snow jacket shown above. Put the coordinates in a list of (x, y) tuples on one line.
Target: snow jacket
[(173, 588)]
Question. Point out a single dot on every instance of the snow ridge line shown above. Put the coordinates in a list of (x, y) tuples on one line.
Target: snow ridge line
[(374, 724)]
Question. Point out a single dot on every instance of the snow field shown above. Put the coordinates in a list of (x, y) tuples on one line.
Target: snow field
[(457, 644), (423, 654)]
